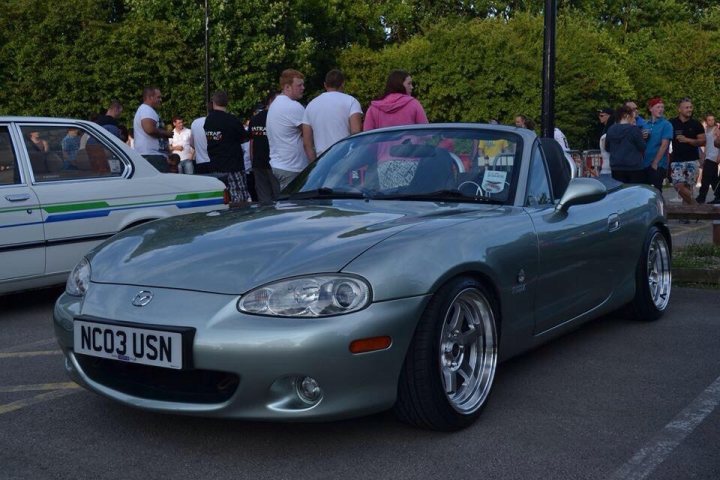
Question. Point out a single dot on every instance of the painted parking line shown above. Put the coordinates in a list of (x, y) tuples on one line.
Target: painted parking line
[(40, 387), (43, 397), (52, 391), (652, 454), (41, 353), (28, 346)]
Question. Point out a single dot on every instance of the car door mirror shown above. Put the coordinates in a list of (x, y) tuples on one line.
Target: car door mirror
[(581, 191)]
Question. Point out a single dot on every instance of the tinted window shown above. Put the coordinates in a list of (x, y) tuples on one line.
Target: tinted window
[(69, 153), (538, 191), (9, 172)]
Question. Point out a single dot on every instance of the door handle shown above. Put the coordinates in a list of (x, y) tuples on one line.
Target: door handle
[(20, 197), (613, 222)]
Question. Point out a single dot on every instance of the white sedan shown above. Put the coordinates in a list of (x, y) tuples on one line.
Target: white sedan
[(67, 185)]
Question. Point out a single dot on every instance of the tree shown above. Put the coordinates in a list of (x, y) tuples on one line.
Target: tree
[(253, 41), (471, 59), (675, 61), (483, 69), (72, 61)]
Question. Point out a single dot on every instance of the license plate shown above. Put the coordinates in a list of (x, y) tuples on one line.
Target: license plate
[(128, 344)]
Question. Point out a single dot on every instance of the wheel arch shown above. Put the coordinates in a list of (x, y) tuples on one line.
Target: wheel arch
[(422, 397), (666, 233), (480, 275)]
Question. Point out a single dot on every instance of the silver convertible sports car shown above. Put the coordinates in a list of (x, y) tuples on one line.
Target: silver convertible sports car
[(395, 272)]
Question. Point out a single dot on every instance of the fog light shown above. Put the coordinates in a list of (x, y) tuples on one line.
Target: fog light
[(308, 390)]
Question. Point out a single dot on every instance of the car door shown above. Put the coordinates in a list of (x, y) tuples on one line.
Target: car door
[(574, 276), (22, 239), (75, 173)]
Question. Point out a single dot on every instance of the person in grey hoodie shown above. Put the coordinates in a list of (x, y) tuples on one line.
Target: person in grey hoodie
[(625, 143)]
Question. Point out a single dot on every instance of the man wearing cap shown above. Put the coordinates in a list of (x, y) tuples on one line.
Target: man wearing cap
[(688, 136), (659, 134), (605, 116)]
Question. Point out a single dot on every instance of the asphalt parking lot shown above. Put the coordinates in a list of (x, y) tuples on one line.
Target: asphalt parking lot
[(617, 399)]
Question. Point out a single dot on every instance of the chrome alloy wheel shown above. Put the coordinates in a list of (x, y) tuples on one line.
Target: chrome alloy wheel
[(468, 351), (659, 272)]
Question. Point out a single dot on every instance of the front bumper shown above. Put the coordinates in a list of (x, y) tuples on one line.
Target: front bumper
[(262, 354)]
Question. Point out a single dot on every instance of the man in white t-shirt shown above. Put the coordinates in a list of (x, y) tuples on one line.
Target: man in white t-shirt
[(151, 139), (180, 144), (330, 117), (284, 129), (198, 141)]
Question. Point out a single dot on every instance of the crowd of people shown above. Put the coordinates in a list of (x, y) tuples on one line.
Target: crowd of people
[(682, 149), (260, 157)]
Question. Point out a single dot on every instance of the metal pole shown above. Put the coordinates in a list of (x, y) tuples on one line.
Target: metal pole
[(207, 52), (548, 96)]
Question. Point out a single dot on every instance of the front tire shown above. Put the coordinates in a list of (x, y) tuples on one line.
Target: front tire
[(450, 366), (653, 278)]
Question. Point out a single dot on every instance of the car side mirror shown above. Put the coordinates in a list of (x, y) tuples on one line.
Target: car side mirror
[(581, 191)]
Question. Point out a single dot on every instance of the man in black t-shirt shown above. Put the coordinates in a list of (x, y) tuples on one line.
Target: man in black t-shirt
[(225, 135), (266, 185), (688, 136)]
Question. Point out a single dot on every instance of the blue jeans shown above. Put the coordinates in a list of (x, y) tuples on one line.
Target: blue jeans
[(186, 166)]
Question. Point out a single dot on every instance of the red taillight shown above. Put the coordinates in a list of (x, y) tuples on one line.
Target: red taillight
[(226, 197)]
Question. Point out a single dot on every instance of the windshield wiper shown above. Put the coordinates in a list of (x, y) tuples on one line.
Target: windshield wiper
[(440, 194), (324, 192)]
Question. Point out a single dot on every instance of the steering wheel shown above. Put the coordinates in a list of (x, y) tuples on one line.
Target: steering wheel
[(458, 162), (479, 192)]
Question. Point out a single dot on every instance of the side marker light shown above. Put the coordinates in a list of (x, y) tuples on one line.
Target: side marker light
[(372, 344)]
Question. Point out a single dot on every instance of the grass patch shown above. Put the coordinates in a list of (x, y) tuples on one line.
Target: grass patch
[(698, 255)]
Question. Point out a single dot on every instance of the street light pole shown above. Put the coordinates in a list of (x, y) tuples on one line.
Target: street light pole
[(548, 95), (207, 52)]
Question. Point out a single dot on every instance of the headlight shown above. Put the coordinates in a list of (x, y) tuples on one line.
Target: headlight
[(315, 296), (79, 279)]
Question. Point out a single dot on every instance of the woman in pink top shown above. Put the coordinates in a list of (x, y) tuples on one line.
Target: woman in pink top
[(396, 106)]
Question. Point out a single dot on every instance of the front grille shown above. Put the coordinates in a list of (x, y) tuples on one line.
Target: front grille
[(156, 383)]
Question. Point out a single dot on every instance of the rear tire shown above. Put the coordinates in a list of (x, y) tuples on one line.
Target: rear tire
[(450, 366), (653, 278)]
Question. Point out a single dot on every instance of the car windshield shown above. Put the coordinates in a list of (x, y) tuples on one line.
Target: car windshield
[(453, 164)]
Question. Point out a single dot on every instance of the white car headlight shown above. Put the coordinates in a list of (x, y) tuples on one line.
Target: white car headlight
[(313, 296), (79, 279)]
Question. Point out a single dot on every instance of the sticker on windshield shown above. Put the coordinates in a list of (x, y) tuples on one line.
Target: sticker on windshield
[(494, 181)]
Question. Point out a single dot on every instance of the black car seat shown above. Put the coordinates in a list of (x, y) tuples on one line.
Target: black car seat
[(434, 173)]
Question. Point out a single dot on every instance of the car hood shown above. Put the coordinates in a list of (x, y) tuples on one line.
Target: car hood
[(237, 250)]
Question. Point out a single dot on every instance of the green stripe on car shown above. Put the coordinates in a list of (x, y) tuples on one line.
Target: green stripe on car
[(74, 207)]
